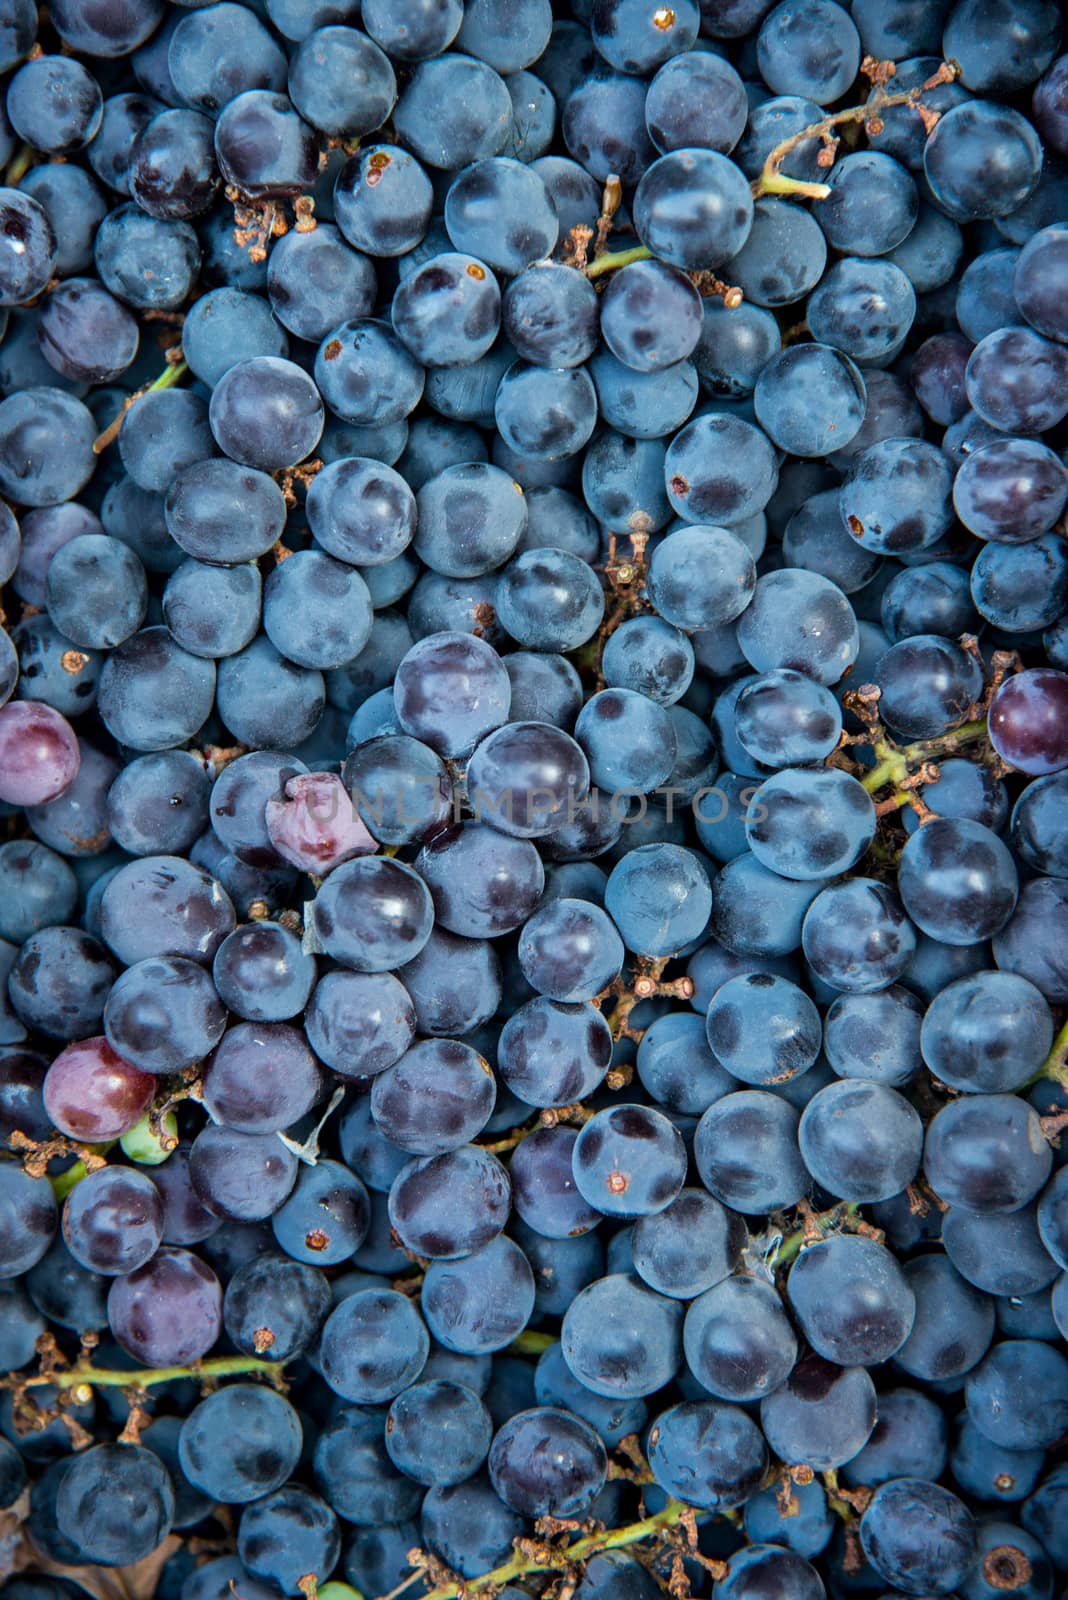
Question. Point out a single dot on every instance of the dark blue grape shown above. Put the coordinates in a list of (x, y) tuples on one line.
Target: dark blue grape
[(446, 1206), (747, 1153), (957, 881), (621, 1339), (287, 1536), (862, 307), (861, 1140), (822, 1414), (783, 399), (783, 257), (454, 110), (916, 1533), (957, 160), (482, 1302), (693, 208)]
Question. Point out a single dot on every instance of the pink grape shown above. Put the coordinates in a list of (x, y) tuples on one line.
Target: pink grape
[(317, 827), (1028, 721), (92, 1093), (39, 754)]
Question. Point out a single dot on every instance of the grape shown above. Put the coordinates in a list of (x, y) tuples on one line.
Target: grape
[(261, 1078), (482, 882), (241, 1176), (115, 1504), (628, 740), (659, 898), (707, 1454), (274, 1307), (162, 1014), (545, 687), (355, 1474), (549, 599), (326, 1217), (782, 399), (373, 914), (240, 1443), (917, 1534), (553, 1053), (39, 753), (820, 638), (288, 1535), (869, 1315), (986, 1153), (956, 167), (373, 1346), (438, 1433), (482, 1302), (449, 1205), (544, 1192), (814, 52), (29, 1212), (822, 1414), (164, 906), (1002, 1254), (763, 1029), (113, 1221), (168, 1312), (747, 1155), (701, 576), (1027, 721), (862, 307), (629, 1161), (689, 1246), (525, 778), (957, 881), (833, 812), (621, 1339), (953, 1325), (805, 1527), (987, 1033), (92, 1093), (927, 686), (861, 1140)]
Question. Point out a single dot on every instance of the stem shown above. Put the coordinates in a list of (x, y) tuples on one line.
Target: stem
[(823, 1222), (21, 162), (521, 1566), (84, 1375), (779, 183), (1055, 1065), (167, 379), (64, 1182), (617, 258), (532, 1344), (896, 761), (773, 180)]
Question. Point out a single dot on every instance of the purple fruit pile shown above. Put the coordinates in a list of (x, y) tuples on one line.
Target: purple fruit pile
[(533, 799)]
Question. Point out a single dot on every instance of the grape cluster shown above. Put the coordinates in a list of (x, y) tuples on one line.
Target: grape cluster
[(534, 798)]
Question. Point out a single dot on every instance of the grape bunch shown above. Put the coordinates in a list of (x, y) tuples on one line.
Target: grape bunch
[(533, 799)]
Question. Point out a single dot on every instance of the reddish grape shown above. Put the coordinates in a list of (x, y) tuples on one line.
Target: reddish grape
[(168, 1312), (317, 827), (39, 755), (92, 1093), (1028, 721)]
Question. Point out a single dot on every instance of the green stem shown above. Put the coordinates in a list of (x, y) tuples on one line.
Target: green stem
[(84, 1375), (891, 768), (779, 183), (896, 761), (1055, 1065), (521, 1566), (64, 1182), (20, 164), (793, 1244), (532, 1344), (172, 374), (617, 258)]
